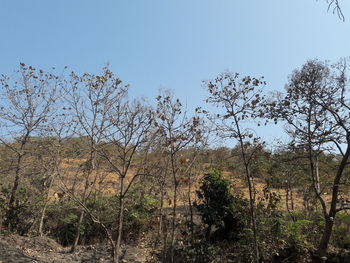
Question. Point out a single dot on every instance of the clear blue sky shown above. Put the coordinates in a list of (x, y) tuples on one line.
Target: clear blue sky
[(173, 44)]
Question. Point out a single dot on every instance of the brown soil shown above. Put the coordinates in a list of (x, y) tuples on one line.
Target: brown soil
[(19, 249)]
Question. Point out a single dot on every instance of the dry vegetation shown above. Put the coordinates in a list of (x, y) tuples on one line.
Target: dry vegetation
[(104, 175)]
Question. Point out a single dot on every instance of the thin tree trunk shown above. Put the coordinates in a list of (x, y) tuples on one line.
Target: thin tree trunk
[(165, 245), (90, 169), (120, 220), (11, 206), (173, 221), (77, 231), (251, 194), (317, 176), (80, 221), (253, 217), (161, 204), (287, 199), (190, 206), (41, 222), (43, 211), (120, 229), (10, 214)]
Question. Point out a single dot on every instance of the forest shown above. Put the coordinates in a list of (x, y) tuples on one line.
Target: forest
[(84, 164)]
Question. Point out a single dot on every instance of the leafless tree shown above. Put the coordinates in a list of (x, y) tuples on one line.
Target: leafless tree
[(239, 100), (125, 149), (178, 132), (91, 99), (56, 131), (27, 102)]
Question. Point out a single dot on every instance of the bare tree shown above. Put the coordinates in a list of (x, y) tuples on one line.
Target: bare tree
[(56, 132), (125, 148), (28, 101), (159, 177), (178, 132), (91, 99), (239, 99)]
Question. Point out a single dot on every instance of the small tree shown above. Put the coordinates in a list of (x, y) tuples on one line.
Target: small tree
[(218, 207), (56, 132), (125, 150)]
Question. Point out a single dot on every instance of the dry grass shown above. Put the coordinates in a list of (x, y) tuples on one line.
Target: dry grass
[(106, 182)]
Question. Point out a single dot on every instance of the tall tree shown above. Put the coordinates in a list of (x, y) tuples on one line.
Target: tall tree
[(316, 109), (91, 99), (178, 132), (239, 100)]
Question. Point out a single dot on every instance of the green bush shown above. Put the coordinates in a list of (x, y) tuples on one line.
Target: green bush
[(26, 209), (219, 208), (341, 231), (61, 220), (197, 253)]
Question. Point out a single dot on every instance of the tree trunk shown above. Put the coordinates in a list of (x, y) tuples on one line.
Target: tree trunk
[(173, 221), (10, 214), (190, 206), (42, 217), (43, 211), (253, 218), (120, 220), (317, 180), (287, 199), (161, 204), (90, 169), (77, 231), (327, 231), (321, 256), (251, 193)]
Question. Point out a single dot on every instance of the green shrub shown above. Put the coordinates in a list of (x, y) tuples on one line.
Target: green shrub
[(26, 209), (61, 220), (341, 231), (197, 253), (219, 208)]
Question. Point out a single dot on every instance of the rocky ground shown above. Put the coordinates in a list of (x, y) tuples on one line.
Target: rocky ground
[(18, 249)]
